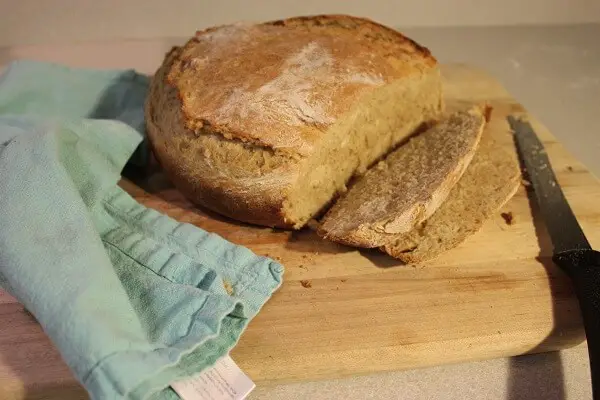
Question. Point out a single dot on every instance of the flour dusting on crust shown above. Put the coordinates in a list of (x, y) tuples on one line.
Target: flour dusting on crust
[(290, 98), (282, 84)]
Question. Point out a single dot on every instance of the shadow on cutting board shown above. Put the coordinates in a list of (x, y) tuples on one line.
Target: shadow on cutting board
[(541, 376)]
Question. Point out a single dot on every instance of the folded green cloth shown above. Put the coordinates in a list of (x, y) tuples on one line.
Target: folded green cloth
[(133, 299)]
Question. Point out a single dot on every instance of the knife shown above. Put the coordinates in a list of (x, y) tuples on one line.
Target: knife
[(572, 251)]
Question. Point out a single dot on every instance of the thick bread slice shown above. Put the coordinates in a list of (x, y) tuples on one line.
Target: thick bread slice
[(408, 186), (266, 123), (489, 182)]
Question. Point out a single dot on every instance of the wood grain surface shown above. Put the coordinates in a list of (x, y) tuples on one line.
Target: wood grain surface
[(343, 311)]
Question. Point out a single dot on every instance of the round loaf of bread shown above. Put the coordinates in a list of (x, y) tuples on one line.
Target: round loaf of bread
[(267, 123)]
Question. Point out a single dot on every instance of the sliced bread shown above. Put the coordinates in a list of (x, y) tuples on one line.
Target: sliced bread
[(491, 180), (408, 186)]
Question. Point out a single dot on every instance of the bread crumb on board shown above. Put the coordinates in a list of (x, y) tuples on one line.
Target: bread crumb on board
[(228, 287), (525, 182), (276, 258), (569, 168), (306, 284), (487, 112), (508, 217)]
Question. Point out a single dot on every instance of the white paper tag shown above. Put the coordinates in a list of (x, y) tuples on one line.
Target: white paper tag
[(224, 381)]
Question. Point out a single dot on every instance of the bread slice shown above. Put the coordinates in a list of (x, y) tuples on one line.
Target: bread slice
[(489, 182), (408, 186), (266, 123)]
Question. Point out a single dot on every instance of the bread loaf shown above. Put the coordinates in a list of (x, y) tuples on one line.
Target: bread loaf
[(491, 179), (408, 185), (267, 123)]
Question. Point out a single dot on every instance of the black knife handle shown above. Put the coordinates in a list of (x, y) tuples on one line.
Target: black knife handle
[(583, 266)]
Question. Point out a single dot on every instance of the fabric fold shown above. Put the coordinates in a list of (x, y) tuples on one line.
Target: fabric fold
[(132, 299)]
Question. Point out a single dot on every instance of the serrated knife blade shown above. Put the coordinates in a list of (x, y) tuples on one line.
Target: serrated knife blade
[(572, 251), (563, 228)]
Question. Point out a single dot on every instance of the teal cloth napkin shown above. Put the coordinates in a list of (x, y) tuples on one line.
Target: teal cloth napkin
[(133, 299)]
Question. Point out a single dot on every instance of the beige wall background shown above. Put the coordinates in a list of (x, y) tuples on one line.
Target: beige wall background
[(67, 21)]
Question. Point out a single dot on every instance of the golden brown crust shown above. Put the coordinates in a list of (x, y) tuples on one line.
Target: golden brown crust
[(280, 84), (247, 198), (351, 23)]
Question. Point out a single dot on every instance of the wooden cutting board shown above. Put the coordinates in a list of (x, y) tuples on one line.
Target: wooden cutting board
[(343, 311)]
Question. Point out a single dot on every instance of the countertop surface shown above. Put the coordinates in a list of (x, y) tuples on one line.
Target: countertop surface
[(554, 71)]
